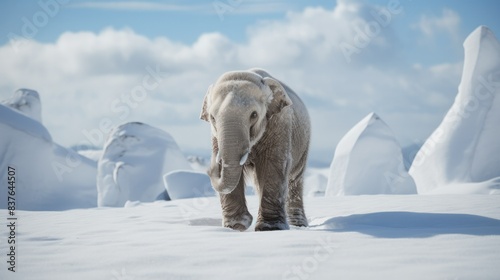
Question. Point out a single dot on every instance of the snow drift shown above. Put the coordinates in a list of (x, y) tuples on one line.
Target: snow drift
[(48, 176), (465, 147), (368, 160), (132, 165)]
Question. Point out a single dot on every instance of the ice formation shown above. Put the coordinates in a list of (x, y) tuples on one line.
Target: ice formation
[(132, 165), (26, 101), (48, 176), (368, 160), (188, 184), (465, 147)]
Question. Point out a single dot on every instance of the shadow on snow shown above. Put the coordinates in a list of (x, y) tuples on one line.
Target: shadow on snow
[(410, 224)]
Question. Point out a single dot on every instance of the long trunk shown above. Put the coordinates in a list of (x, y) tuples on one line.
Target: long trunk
[(227, 163), (228, 179)]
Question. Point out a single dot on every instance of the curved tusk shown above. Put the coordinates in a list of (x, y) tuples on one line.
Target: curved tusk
[(244, 158), (217, 157)]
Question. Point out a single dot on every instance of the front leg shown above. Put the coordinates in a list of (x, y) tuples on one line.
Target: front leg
[(234, 209), (271, 178)]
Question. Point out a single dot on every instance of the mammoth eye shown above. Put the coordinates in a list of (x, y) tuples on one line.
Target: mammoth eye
[(212, 119), (253, 115)]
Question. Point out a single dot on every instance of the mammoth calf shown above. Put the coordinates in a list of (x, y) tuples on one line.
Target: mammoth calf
[(260, 130)]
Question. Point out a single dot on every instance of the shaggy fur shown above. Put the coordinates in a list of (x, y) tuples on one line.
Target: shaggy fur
[(261, 131)]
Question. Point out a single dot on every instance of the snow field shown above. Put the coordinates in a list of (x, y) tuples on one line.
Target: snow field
[(351, 237)]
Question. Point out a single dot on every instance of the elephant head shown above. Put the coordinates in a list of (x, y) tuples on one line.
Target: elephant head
[(238, 107)]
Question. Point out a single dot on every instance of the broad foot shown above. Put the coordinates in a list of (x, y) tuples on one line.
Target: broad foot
[(296, 217), (271, 225), (240, 222)]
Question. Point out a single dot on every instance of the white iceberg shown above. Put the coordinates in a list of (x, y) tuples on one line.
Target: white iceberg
[(47, 176), (465, 147), (26, 101), (132, 165), (368, 160), (188, 184)]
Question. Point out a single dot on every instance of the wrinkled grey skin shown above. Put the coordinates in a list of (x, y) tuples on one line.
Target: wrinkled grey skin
[(261, 131)]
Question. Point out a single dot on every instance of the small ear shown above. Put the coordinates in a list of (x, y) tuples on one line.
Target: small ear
[(280, 98), (204, 107)]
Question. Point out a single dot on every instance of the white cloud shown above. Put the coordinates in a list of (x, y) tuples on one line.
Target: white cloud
[(84, 78), (448, 22)]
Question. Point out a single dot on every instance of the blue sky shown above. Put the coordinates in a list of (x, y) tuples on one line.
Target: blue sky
[(184, 21), (86, 54)]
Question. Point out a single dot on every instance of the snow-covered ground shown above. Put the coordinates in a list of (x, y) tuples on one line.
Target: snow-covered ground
[(447, 226), (350, 237)]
